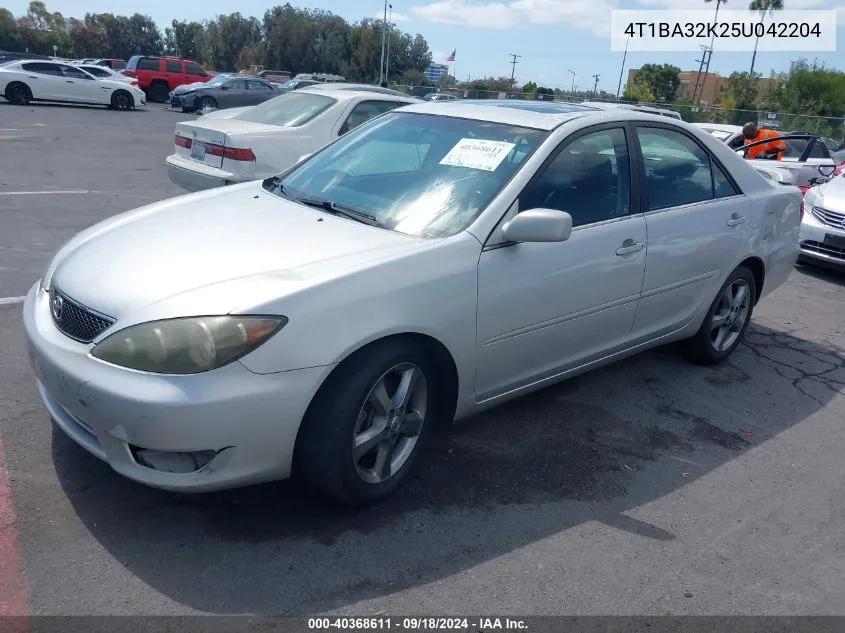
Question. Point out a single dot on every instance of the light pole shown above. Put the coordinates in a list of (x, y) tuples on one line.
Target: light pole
[(389, 33), (622, 70), (572, 72), (383, 33)]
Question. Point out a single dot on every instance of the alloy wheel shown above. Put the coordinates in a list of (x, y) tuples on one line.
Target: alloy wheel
[(730, 315)]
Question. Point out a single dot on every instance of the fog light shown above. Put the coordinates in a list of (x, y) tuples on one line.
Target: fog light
[(181, 462)]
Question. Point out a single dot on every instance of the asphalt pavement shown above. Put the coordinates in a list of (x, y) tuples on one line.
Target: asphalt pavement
[(649, 487)]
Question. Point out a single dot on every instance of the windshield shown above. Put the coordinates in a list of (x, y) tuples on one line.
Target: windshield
[(419, 174), (216, 81), (288, 110)]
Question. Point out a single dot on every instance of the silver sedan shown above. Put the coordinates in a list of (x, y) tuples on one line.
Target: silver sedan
[(434, 262)]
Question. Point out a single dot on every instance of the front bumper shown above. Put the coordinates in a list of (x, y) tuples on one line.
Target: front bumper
[(817, 242), (195, 176), (186, 102), (245, 423)]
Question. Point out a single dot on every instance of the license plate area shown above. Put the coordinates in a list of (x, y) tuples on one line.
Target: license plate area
[(198, 150), (836, 241)]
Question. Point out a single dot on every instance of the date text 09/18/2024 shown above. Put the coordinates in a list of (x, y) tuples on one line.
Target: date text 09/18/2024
[(386, 623)]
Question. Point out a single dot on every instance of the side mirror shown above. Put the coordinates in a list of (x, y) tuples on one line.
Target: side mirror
[(224, 87), (538, 225), (827, 170)]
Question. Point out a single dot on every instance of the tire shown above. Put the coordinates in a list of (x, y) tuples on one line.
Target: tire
[(206, 102), (122, 100), (158, 92), (18, 93), (346, 409), (714, 343)]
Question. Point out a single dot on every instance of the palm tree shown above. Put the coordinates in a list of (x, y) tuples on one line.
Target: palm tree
[(763, 7), (718, 4)]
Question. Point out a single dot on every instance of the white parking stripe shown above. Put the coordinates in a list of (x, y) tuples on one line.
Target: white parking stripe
[(8, 301), (43, 193)]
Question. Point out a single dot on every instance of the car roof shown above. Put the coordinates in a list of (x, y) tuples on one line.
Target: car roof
[(534, 114), (351, 93), (720, 127)]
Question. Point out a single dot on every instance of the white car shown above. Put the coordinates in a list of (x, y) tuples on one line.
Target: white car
[(434, 262), (29, 80), (605, 105), (266, 139), (102, 72), (822, 235)]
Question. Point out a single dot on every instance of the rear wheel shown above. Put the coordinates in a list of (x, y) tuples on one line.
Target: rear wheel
[(364, 431), (158, 92), (18, 93), (726, 321), (122, 100)]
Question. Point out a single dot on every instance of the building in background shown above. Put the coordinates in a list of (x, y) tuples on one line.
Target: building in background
[(436, 72), (711, 92)]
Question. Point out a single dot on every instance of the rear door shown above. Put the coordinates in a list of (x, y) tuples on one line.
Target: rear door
[(232, 94), (174, 72), (44, 80), (258, 92), (698, 225)]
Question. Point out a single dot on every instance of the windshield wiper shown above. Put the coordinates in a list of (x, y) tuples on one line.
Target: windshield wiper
[(336, 209)]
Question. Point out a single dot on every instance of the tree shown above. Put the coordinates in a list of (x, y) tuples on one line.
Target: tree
[(763, 7), (88, 39), (661, 79), (144, 36), (741, 89), (185, 39), (638, 92), (808, 88), (10, 35)]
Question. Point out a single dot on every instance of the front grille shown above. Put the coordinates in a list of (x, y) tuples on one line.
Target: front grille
[(830, 218), (824, 249), (75, 320)]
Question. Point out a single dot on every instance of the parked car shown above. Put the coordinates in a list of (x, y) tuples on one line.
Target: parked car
[(24, 81), (10, 56), (439, 96), (104, 72), (822, 236), (839, 161), (296, 84), (603, 105), (268, 138), (114, 64), (275, 76), (228, 92), (157, 76), (434, 262), (806, 157)]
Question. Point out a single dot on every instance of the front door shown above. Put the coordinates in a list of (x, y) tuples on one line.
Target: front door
[(80, 87), (545, 308), (698, 222)]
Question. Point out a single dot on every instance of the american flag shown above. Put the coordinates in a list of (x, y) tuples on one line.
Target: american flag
[(451, 57)]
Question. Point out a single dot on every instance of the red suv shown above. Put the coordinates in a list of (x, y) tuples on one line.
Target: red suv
[(157, 76)]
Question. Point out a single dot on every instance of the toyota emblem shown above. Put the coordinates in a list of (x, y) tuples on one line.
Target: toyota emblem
[(56, 305)]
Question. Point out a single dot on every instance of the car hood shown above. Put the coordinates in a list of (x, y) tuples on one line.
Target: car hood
[(187, 87), (219, 237), (833, 194)]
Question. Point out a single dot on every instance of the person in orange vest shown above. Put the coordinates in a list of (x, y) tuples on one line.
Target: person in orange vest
[(774, 148)]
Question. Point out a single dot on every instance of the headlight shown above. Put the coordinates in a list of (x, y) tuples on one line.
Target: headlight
[(187, 345)]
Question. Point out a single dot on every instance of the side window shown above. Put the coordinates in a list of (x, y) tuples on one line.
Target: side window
[(41, 68), (819, 150), (74, 73), (365, 111), (590, 179), (97, 72), (677, 168), (148, 63), (254, 84), (194, 69), (737, 142), (722, 187), (174, 66)]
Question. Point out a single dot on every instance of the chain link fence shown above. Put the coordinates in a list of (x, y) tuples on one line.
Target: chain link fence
[(832, 129)]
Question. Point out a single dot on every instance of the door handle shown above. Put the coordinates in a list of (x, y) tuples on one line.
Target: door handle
[(736, 220), (629, 246), (31, 77), (70, 81)]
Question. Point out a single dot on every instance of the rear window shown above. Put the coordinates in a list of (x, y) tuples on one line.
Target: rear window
[(288, 110), (148, 63), (116, 64), (193, 68)]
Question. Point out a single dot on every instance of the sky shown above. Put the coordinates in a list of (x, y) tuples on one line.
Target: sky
[(551, 36)]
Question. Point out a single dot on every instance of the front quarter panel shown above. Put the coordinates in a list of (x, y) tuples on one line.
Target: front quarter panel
[(430, 290), (778, 241)]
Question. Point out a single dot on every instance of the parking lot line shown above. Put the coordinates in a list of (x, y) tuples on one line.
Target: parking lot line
[(43, 193), (13, 593), (7, 301)]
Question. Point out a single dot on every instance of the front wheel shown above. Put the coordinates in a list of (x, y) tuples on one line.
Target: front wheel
[(726, 321), (122, 100), (364, 431)]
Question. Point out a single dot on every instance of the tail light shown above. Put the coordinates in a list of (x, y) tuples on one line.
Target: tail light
[(182, 141), (801, 210), (232, 153)]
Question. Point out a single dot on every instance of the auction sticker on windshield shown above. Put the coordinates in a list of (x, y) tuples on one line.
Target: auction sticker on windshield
[(477, 154)]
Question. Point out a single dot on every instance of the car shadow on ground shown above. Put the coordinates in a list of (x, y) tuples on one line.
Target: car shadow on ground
[(587, 450), (829, 274)]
